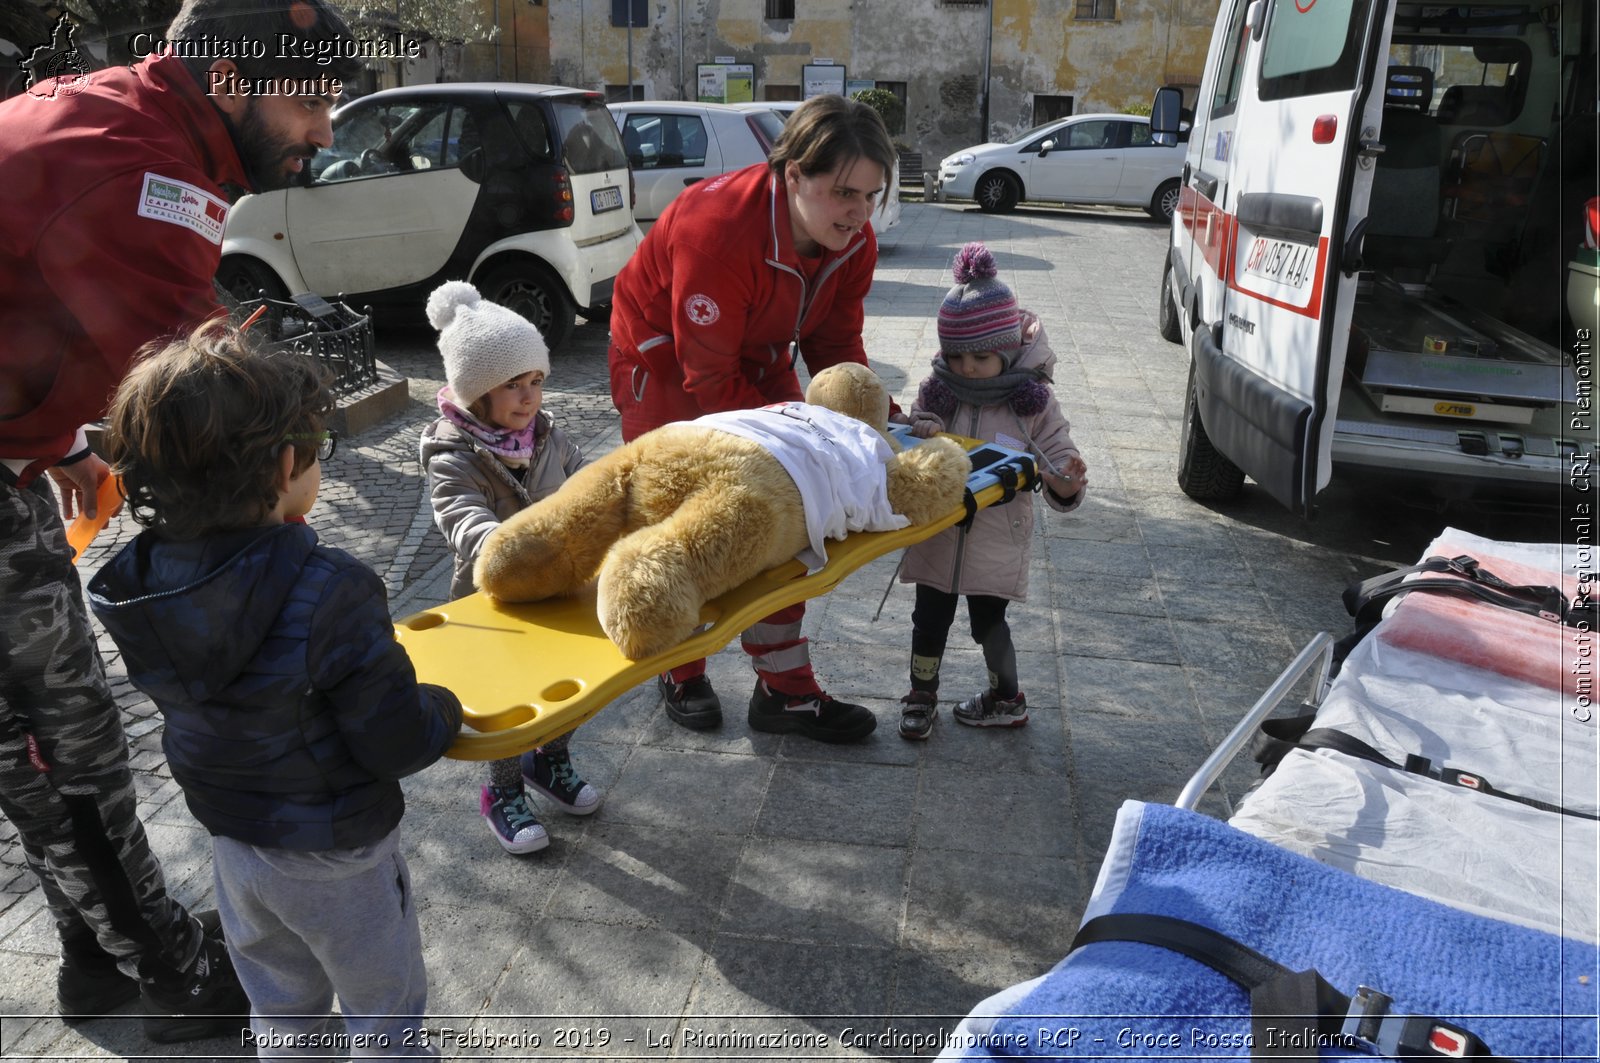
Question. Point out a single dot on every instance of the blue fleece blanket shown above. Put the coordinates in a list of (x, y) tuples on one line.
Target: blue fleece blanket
[(1527, 994)]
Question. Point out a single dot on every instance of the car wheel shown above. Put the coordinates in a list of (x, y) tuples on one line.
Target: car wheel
[(245, 280), (1164, 204), (1167, 314), (535, 294), (1204, 473), (997, 193)]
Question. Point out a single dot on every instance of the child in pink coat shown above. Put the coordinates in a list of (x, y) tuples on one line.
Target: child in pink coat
[(990, 381)]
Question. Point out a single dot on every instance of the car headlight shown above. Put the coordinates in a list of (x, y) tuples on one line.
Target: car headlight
[(959, 160)]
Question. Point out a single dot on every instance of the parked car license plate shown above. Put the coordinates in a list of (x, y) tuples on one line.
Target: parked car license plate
[(604, 199)]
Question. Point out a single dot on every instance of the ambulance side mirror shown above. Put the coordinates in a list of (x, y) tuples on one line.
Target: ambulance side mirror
[(1166, 115)]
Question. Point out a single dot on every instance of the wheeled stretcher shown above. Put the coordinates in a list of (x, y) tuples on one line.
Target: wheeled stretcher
[(528, 672), (1435, 867)]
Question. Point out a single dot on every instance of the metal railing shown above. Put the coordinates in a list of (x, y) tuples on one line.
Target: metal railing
[(329, 331)]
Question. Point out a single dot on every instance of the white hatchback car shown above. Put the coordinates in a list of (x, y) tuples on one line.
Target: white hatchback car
[(521, 189), (1088, 158), (671, 144)]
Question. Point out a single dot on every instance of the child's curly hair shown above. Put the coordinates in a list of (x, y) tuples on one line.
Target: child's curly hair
[(197, 427)]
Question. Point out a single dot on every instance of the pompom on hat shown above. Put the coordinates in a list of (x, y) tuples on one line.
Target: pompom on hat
[(979, 313), (483, 344)]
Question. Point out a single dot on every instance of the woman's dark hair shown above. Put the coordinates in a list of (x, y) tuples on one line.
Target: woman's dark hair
[(301, 40), (828, 132), (197, 427)]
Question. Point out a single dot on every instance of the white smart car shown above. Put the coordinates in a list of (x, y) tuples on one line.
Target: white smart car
[(521, 189), (1088, 158)]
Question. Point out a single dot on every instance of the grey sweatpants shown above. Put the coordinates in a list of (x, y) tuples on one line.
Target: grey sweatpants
[(304, 926), (64, 779)]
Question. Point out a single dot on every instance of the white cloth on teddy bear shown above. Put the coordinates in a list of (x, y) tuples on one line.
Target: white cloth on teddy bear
[(839, 464)]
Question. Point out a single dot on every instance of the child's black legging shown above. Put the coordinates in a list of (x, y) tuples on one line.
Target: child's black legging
[(931, 618)]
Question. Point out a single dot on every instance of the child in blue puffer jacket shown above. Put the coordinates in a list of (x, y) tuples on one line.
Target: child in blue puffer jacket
[(291, 713)]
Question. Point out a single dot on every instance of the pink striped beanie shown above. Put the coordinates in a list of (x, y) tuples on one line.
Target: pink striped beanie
[(979, 313)]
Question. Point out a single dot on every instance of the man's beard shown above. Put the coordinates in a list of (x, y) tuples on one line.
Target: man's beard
[(264, 152)]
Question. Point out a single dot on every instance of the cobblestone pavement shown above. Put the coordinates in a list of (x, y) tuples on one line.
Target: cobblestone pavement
[(741, 881)]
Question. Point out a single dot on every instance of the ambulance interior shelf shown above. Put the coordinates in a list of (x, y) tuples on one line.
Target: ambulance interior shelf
[(1412, 344), (528, 672)]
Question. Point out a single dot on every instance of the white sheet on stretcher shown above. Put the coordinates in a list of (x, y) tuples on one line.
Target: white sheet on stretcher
[(1521, 738), (1471, 851)]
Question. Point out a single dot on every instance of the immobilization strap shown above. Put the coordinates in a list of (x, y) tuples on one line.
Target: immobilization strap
[(1365, 600), (1287, 733), (1292, 1013)]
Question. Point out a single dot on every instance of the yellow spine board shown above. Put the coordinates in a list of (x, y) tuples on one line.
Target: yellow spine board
[(528, 672)]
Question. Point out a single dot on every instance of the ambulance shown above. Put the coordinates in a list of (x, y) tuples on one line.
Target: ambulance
[(1381, 204)]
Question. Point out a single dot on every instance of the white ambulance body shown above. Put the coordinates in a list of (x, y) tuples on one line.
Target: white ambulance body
[(1368, 260)]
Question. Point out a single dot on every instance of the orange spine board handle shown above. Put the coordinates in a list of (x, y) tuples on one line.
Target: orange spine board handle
[(108, 500)]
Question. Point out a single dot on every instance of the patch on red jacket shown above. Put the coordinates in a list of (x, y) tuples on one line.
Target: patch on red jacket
[(181, 203), (701, 309)]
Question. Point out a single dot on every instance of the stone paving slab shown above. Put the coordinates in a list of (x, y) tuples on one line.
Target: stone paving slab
[(737, 881)]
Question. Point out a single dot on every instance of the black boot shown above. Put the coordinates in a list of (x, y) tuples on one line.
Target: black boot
[(203, 1000), (88, 983)]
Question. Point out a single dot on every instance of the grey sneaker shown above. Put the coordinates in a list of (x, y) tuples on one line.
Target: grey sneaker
[(986, 710), (918, 711)]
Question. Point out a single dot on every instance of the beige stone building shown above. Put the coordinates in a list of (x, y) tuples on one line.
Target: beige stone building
[(967, 70)]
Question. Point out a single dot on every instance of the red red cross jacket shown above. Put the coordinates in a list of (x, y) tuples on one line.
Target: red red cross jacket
[(705, 311), (110, 237)]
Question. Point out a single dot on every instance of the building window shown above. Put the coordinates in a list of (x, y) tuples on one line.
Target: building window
[(619, 12), (780, 9), (1096, 9), (1050, 108)]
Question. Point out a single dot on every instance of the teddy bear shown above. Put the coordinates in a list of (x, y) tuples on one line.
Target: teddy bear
[(691, 510)]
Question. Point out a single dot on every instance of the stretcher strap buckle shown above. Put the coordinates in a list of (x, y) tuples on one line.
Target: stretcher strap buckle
[(1371, 1025)]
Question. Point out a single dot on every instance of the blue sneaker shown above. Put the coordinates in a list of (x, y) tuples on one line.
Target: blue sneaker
[(511, 818), (553, 775)]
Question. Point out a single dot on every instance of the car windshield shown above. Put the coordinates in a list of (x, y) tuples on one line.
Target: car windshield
[(1029, 134), (589, 139)]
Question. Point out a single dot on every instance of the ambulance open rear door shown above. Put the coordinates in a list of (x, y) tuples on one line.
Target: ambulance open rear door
[(1277, 182)]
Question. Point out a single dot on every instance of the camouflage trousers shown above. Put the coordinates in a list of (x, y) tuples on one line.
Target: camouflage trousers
[(65, 783)]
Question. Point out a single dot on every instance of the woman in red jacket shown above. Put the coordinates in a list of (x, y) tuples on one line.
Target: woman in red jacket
[(741, 275)]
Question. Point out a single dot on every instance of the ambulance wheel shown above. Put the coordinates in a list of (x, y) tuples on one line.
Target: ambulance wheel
[(1165, 202), (997, 193), (1204, 473), (1167, 314), (533, 292)]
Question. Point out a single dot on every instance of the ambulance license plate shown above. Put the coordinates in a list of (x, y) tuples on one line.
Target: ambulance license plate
[(1281, 261)]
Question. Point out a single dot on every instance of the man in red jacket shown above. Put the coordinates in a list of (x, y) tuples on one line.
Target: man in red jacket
[(118, 185), (739, 276)]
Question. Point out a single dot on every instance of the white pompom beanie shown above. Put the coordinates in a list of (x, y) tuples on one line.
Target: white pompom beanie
[(483, 344)]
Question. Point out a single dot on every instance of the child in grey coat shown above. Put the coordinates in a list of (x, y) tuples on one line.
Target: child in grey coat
[(493, 451)]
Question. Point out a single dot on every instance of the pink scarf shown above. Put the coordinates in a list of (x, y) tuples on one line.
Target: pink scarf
[(515, 448)]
